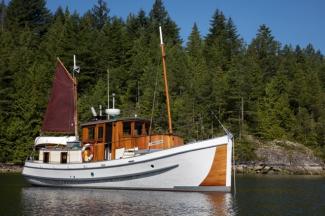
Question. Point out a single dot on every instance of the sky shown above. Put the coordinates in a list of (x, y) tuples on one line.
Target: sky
[(295, 22)]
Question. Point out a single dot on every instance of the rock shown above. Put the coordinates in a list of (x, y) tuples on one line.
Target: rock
[(283, 157)]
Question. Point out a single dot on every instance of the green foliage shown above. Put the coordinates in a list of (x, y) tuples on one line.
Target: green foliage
[(245, 151), (261, 89)]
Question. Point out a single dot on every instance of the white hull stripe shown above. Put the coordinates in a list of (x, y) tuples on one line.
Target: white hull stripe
[(131, 176)]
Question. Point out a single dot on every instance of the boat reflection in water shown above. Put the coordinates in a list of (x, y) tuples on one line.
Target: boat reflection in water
[(56, 201)]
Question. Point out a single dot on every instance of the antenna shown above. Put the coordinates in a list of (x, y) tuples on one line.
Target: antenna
[(111, 111), (75, 67), (107, 91), (113, 100)]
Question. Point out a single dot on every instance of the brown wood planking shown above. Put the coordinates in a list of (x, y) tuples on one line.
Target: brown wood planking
[(217, 173), (120, 140)]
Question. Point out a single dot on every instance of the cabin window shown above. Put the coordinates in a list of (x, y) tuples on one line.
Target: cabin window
[(91, 133), (126, 128), (100, 133), (138, 128), (147, 128), (46, 157), (64, 157)]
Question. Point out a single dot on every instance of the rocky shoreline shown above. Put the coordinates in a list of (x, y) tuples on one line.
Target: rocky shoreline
[(279, 157), (10, 168), (278, 169)]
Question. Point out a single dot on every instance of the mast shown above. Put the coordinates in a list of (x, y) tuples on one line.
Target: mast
[(75, 98), (75, 107), (170, 129)]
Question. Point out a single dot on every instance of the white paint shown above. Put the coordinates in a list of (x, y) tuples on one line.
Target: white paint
[(58, 140), (75, 156), (161, 37)]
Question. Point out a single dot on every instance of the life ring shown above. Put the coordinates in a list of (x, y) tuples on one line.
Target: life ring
[(87, 152)]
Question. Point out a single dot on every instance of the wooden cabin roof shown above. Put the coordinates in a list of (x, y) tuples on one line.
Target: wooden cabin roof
[(114, 120)]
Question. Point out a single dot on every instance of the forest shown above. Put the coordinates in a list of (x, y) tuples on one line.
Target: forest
[(260, 88)]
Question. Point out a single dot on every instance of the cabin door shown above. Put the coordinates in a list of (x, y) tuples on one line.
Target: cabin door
[(99, 142), (64, 157)]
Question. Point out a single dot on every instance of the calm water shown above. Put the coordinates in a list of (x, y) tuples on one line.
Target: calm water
[(255, 196)]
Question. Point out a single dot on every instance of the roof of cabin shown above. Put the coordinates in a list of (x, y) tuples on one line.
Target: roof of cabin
[(114, 120)]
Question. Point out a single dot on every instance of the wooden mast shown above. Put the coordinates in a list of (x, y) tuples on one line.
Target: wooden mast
[(170, 128)]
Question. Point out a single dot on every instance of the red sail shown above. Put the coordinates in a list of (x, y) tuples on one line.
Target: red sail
[(60, 113)]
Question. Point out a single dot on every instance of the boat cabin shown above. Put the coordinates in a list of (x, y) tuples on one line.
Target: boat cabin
[(105, 140), (120, 138)]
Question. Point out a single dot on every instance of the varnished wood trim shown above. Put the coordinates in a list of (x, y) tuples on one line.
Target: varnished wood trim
[(217, 173)]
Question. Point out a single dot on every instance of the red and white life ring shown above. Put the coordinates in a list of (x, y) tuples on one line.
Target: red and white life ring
[(87, 152)]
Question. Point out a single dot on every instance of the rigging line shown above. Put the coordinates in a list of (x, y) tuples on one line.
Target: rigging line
[(153, 104), (223, 127)]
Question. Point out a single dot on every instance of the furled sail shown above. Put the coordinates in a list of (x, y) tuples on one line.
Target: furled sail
[(61, 113)]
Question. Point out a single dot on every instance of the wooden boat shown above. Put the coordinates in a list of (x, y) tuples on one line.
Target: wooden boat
[(121, 153)]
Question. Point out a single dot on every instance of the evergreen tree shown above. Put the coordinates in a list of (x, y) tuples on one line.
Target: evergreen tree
[(100, 13), (31, 14), (3, 9), (159, 17), (265, 50)]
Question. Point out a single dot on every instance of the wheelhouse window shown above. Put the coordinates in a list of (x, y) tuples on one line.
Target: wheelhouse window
[(100, 133), (138, 128), (91, 133), (126, 128), (147, 125)]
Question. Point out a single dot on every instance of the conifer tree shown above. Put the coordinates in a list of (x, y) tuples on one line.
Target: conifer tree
[(100, 13), (265, 50), (3, 9), (31, 14), (159, 17)]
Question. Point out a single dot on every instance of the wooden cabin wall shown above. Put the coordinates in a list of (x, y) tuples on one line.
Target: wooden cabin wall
[(97, 141), (128, 141)]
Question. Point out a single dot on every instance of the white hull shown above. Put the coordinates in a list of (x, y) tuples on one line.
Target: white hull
[(180, 168)]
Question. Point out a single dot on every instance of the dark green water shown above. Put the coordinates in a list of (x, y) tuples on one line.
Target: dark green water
[(265, 195)]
